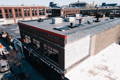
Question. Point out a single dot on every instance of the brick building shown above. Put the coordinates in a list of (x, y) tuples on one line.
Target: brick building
[(70, 11), (11, 14), (56, 48), (63, 12)]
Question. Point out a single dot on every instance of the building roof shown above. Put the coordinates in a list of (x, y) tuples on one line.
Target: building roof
[(77, 32)]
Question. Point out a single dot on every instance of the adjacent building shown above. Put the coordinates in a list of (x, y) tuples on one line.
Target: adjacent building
[(78, 5), (109, 5), (70, 11), (11, 14), (63, 12)]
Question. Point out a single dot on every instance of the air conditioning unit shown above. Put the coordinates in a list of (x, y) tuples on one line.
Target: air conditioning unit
[(57, 20), (70, 19)]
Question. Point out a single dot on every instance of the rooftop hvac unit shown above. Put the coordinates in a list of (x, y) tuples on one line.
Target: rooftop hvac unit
[(57, 20), (77, 16), (70, 19)]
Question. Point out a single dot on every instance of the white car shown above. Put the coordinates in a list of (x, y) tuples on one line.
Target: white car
[(4, 66), (3, 50)]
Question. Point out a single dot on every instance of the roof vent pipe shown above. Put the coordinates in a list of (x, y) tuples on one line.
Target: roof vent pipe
[(40, 20), (71, 24)]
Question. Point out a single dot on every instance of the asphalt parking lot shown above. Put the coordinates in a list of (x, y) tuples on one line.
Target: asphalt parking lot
[(26, 67)]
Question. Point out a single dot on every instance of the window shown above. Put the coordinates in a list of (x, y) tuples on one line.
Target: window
[(41, 11), (18, 12), (51, 52), (48, 11), (1, 16), (36, 42), (27, 39), (27, 12), (34, 12), (8, 13)]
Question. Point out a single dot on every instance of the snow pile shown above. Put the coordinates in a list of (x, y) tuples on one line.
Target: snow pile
[(103, 66)]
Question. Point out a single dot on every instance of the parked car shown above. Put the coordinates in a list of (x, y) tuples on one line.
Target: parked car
[(3, 52), (4, 66), (1, 48)]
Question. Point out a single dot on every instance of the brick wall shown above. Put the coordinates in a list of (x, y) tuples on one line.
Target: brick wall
[(103, 39)]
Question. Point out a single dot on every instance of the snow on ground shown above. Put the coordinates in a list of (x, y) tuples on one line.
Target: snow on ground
[(104, 66)]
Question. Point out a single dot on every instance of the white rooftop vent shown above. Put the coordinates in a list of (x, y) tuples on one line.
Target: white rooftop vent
[(70, 19), (57, 20), (77, 16)]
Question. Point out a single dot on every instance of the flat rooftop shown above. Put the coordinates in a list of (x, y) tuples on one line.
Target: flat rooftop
[(78, 30)]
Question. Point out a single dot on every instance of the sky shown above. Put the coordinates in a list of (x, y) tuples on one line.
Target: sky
[(46, 2)]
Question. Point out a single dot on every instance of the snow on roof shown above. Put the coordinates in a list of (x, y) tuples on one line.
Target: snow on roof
[(103, 66)]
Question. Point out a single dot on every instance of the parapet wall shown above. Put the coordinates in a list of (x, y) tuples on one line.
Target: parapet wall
[(90, 45), (103, 39)]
